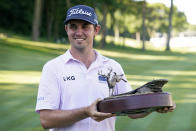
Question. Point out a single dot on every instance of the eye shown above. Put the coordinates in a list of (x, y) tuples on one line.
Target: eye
[(85, 26), (73, 26)]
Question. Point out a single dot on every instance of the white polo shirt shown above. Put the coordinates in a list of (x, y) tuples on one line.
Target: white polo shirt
[(67, 84)]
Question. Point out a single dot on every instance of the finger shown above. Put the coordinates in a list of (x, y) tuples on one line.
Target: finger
[(100, 114), (161, 110), (171, 109), (113, 114), (99, 99), (174, 105), (165, 109), (96, 101), (94, 104), (98, 119)]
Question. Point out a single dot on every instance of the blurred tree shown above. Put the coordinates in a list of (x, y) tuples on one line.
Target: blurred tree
[(143, 25), (121, 18), (104, 28), (68, 3), (179, 20), (50, 14), (57, 19), (16, 16), (143, 3), (192, 27), (170, 27), (37, 19), (103, 7), (54, 15), (132, 19), (157, 19)]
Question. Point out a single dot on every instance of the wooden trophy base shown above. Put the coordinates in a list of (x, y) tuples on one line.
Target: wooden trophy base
[(133, 104)]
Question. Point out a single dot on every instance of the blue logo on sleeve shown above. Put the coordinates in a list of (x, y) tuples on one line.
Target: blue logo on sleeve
[(40, 98)]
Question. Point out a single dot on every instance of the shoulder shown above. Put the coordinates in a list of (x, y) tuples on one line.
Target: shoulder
[(111, 63), (54, 63)]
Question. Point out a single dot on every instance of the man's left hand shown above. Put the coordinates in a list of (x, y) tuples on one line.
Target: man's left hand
[(139, 115), (162, 110), (167, 109)]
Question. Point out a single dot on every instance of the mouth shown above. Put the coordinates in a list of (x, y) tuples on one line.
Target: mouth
[(79, 39)]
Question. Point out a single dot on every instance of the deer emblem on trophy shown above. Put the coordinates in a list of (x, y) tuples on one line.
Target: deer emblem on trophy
[(112, 78)]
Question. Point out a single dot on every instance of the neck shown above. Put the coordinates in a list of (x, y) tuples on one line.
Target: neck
[(86, 57)]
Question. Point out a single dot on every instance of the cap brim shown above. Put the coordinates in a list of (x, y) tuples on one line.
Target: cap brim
[(76, 18)]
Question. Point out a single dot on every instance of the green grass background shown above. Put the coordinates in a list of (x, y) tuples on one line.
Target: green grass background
[(21, 62)]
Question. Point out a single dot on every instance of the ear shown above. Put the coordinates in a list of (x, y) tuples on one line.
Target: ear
[(97, 29), (66, 26)]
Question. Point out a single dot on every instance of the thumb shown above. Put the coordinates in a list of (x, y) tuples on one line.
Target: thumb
[(96, 101)]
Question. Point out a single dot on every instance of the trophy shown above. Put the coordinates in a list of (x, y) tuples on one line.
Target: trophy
[(146, 98)]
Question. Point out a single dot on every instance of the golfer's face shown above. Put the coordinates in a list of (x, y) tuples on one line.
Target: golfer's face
[(80, 33)]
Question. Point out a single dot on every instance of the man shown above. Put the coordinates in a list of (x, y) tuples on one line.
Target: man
[(70, 85)]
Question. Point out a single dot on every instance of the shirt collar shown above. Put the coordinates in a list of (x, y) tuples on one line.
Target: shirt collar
[(67, 56), (99, 58)]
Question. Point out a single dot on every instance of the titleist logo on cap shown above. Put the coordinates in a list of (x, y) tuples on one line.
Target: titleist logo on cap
[(79, 11)]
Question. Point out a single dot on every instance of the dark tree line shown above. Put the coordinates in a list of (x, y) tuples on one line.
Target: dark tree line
[(125, 18)]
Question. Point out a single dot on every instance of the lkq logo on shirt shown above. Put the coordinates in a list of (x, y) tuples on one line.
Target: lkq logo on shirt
[(79, 11), (68, 78)]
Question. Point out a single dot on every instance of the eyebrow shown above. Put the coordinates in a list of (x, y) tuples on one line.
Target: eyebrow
[(84, 22)]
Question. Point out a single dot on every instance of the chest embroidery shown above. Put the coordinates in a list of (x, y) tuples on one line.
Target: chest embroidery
[(68, 78)]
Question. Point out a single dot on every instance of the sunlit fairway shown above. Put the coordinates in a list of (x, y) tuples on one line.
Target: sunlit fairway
[(21, 62), (20, 77)]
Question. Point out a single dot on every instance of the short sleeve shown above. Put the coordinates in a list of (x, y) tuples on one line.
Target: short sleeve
[(48, 92)]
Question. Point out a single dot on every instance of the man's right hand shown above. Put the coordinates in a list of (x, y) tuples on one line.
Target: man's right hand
[(94, 114)]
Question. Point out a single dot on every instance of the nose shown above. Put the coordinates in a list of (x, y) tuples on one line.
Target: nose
[(79, 31)]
